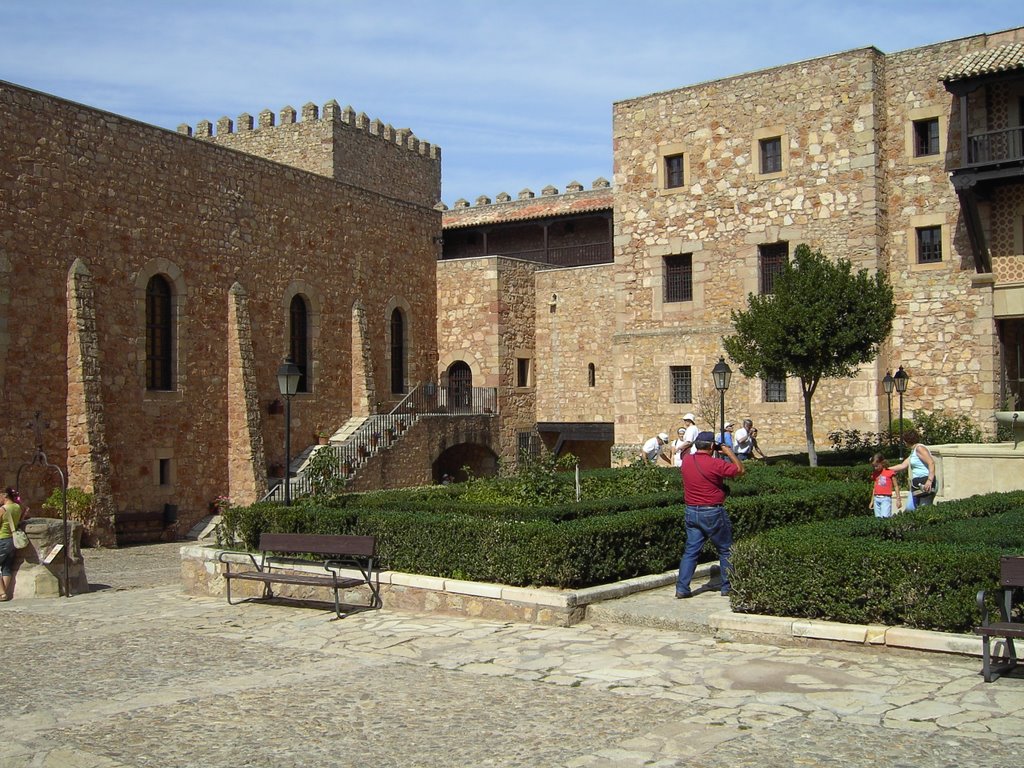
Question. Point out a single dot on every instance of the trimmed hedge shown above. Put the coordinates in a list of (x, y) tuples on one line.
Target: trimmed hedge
[(568, 545), (920, 569)]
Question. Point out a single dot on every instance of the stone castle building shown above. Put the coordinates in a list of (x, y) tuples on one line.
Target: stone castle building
[(154, 280), (909, 162)]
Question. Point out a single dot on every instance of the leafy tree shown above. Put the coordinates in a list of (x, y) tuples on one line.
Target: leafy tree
[(822, 321)]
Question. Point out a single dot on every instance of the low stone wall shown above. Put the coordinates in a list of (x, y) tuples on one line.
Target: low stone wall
[(971, 469), (201, 575)]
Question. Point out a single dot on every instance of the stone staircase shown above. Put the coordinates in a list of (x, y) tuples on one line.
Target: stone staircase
[(355, 442)]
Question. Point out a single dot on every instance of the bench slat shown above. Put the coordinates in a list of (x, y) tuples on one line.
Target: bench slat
[(295, 543), (1012, 629)]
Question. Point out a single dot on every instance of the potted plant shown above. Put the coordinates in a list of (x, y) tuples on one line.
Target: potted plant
[(362, 451), (389, 435), (323, 435), (375, 439)]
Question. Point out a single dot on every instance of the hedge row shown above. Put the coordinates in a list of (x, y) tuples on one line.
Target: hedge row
[(612, 540), (920, 569)]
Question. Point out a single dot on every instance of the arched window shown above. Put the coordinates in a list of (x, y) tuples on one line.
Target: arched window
[(591, 375), (159, 334), (298, 339), (460, 387), (397, 353)]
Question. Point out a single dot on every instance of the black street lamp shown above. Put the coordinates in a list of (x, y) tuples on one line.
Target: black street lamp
[(887, 385), (901, 379), (288, 375), (722, 374)]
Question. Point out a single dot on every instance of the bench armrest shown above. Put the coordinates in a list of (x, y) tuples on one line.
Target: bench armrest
[(220, 558), (983, 608)]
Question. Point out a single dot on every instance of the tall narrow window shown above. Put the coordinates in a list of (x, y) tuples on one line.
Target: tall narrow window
[(298, 339), (674, 171), (397, 353), (159, 335), (679, 277), (591, 375), (522, 371), (681, 383), (926, 137), (929, 245), (771, 154), (773, 257)]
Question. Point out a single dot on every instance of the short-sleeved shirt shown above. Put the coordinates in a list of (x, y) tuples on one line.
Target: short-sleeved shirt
[(704, 479), (652, 448), (883, 482)]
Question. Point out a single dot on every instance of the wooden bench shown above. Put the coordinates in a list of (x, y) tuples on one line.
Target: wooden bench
[(283, 559), (1011, 578)]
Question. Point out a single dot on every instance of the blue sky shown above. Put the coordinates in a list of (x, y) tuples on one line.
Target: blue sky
[(517, 93)]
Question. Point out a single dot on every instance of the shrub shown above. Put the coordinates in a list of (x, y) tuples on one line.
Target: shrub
[(938, 428), (921, 569), (80, 508)]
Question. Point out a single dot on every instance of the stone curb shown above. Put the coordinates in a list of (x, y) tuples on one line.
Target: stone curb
[(728, 621)]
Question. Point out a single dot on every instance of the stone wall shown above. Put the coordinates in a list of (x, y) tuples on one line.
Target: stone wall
[(575, 327), (111, 202)]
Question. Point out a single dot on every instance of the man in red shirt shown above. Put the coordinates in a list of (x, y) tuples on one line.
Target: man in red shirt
[(704, 493)]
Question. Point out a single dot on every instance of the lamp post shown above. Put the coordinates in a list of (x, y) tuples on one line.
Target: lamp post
[(887, 385), (288, 375), (722, 374), (900, 380)]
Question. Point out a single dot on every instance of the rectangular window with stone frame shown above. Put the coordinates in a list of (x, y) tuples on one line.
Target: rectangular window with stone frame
[(772, 257), (771, 154), (678, 278), (681, 383), (929, 245), (674, 171), (774, 390)]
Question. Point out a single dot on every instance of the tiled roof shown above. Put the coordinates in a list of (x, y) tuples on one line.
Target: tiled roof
[(1002, 59), (567, 204)]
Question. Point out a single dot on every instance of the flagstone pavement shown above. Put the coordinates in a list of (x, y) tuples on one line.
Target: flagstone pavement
[(138, 674)]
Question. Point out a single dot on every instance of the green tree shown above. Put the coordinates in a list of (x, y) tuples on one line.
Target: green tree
[(822, 321)]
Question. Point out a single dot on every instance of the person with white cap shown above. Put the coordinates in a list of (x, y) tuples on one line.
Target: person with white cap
[(652, 448), (686, 436)]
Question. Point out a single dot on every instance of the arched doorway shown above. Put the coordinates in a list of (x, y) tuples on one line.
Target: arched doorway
[(460, 388)]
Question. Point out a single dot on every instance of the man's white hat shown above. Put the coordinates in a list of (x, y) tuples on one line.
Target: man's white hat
[(690, 417), (663, 436)]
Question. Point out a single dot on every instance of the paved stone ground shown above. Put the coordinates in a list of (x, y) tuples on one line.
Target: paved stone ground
[(139, 674)]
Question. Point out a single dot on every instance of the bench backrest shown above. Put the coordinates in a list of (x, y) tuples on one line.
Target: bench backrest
[(1011, 571), (304, 543)]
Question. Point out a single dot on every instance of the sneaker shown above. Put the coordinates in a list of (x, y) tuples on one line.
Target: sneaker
[(683, 596)]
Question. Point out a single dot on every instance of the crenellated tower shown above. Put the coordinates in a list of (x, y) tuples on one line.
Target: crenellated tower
[(338, 143)]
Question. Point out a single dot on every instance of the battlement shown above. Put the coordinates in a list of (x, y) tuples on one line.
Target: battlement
[(572, 188), (332, 114)]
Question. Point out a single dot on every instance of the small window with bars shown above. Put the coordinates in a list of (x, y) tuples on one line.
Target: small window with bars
[(528, 444), (929, 245), (775, 390), (681, 382), (679, 278), (771, 154), (773, 257), (674, 171), (926, 137)]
